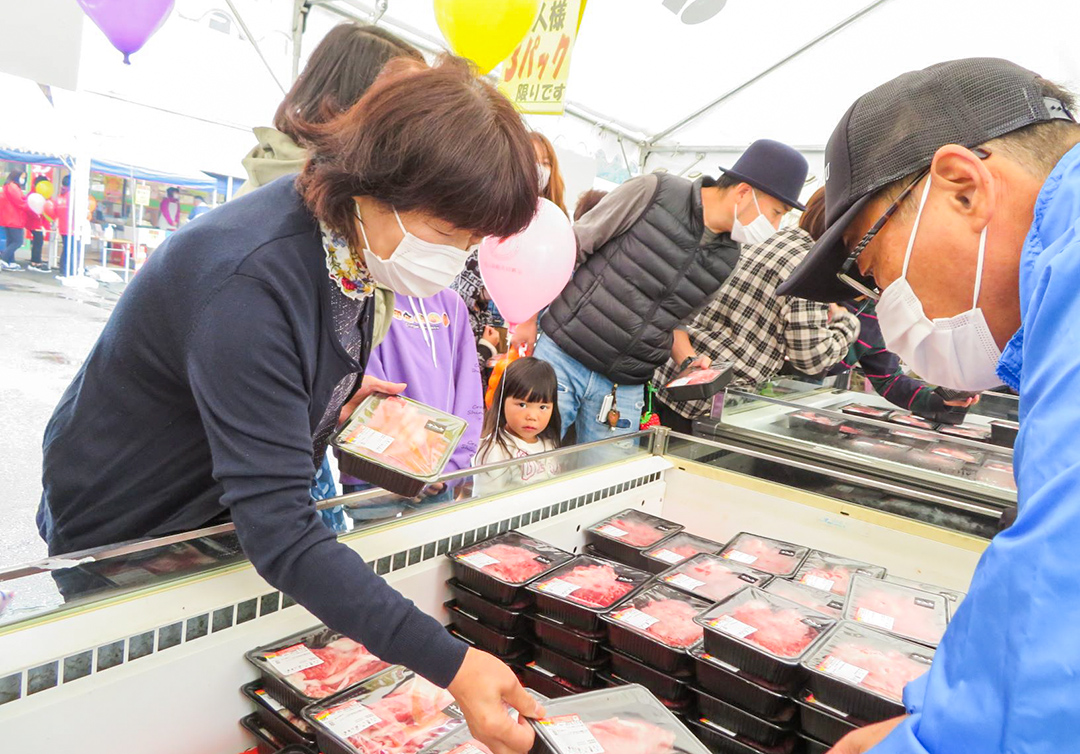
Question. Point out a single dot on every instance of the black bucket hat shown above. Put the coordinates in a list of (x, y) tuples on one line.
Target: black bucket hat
[(774, 168), (895, 130)]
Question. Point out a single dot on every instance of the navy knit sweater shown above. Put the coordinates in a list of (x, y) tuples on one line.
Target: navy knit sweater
[(199, 401)]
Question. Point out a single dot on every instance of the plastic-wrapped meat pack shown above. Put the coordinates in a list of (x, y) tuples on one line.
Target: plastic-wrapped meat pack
[(967, 431), (712, 577), (764, 554), (813, 420), (870, 412), (897, 609), (997, 474), (910, 420), (832, 573), (679, 547), (512, 557), (955, 451), (934, 462), (778, 626), (696, 377), (886, 450), (635, 528), (344, 663), (662, 614), (593, 583), (825, 603)]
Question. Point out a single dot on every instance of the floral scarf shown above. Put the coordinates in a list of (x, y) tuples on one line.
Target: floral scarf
[(353, 279)]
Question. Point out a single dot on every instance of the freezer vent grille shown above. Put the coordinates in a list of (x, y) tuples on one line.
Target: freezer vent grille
[(128, 649)]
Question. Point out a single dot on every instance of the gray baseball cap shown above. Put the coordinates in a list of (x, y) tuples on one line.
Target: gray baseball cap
[(894, 130)]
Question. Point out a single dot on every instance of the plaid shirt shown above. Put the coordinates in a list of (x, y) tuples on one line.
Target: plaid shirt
[(749, 325)]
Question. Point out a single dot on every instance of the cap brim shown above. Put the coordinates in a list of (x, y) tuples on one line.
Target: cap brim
[(815, 277), (791, 201)]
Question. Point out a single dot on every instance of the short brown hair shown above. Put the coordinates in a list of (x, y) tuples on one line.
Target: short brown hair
[(340, 70), (556, 187), (439, 140), (587, 201), (812, 219)]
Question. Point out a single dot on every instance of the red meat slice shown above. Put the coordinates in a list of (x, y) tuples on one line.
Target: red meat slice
[(780, 631), (888, 671), (415, 449), (516, 564), (908, 619), (638, 534), (598, 585), (618, 736), (344, 663), (412, 718), (720, 581), (676, 627)]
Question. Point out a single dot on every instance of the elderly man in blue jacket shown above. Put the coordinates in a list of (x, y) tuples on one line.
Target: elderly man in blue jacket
[(953, 195)]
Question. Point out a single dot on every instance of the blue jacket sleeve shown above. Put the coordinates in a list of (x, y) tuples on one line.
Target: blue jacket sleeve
[(250, 391)]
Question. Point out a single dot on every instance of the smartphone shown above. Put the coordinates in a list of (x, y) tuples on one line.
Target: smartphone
[(605, 408)]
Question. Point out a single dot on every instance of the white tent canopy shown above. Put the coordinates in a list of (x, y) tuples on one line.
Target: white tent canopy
[(692, 97)]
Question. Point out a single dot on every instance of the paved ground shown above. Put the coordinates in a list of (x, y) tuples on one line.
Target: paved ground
[(46, 331)]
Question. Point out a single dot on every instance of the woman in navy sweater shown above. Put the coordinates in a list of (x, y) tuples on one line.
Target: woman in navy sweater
[(221, 374)]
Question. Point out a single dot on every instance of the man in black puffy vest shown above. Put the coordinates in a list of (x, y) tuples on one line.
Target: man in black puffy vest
[(650, 254)]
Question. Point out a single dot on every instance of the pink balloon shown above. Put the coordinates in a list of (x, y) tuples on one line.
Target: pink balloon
[(128, 23), (524, 273)]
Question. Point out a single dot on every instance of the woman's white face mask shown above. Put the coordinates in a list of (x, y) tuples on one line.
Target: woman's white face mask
[(417, 267), (956, 352), (544, 178)]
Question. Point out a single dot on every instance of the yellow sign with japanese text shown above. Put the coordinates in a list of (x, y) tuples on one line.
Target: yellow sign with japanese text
[(534, 77)]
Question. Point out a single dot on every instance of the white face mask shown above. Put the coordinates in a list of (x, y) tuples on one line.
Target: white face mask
[(758, 230), (417, 267), (956, 352), (544, 175)]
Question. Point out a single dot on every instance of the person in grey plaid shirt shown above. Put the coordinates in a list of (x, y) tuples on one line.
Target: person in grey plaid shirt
[(749, 325)]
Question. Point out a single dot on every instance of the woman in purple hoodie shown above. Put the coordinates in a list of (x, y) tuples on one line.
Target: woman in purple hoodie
[(430, 347)]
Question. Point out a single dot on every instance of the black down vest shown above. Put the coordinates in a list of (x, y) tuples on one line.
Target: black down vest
[(617, 313)]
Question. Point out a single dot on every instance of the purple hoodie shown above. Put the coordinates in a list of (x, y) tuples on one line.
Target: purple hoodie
[(446, 376)]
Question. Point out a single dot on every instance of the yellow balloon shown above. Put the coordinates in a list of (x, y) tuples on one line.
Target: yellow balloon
[(45, 189), (485, 31)]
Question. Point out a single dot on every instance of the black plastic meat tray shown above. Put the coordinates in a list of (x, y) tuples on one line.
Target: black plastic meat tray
[(567, 668), (730, 684), (723, 741), (547, 683), (584, 646), (272, 719), (511, 619), (824, 723), (665, 687), (744, 724)]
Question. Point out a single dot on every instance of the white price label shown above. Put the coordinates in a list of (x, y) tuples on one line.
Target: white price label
[(373, 440), (631, 616), (269, 701), (571, 736), (818, 582), (558, 587), (732, 626), (739, 557), (683, 581), (349, 719), (866, 615), (845, 671), (679, 382), (293, 659), (668, 556), (611, 531), (478, 560)]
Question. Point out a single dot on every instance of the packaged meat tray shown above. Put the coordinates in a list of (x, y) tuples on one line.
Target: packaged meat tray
[(309, 666), (520, 655), (396, 712), (857, 430), (976, 432), (886, 450), (700, 384), (547, 683), (672, 689), (933, 462), (721, 740), (1004, 432), (833, 573), (657, 626), (997, 474), (813, 746), (487, 638), (764, 554), (577, 592), (825, 603), (712, 577), (508, 619), (265, 740), (867, 412), (397, 443), (745, 725), (621, 720), (577, 672), (897, 609), (625, 535), (763, 634), (460, 740), (682, 708), (677, 548), (824, 723), (285, 724), (910, 420), (730, 684), (953, 597), (967, 455), (500, 566), (863, 672), (813, 422), (583, 646)]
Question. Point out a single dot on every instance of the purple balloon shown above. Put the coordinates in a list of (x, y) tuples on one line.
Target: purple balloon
[(128, 23)]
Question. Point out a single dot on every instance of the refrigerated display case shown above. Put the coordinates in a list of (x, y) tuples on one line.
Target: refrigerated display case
[(140, 646)]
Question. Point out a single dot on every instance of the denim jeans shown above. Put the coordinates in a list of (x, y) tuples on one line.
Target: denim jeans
[(581, 396), (13, 241)]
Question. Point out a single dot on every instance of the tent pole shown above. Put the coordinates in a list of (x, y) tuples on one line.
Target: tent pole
[(250, 38), (299, 22), (779, 64)]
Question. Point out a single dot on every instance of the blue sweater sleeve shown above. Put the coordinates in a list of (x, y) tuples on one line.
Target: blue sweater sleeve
[(251, 393)]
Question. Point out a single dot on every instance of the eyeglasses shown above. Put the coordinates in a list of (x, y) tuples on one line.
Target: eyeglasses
[(849, 271)]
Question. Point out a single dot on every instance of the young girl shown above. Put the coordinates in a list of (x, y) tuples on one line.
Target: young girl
[(523, 423)]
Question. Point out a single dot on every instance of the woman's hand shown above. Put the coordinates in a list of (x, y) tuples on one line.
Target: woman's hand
[(524, 335), (368, 386), (964, 402), (864, 739), (491, 336), (483, 687)]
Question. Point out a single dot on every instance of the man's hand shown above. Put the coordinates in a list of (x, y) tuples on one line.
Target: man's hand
[(964, 402), (701, 362), (524, 335), (491, 335), (367, 387), (483, 687), (864, 739), (835, 310)]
